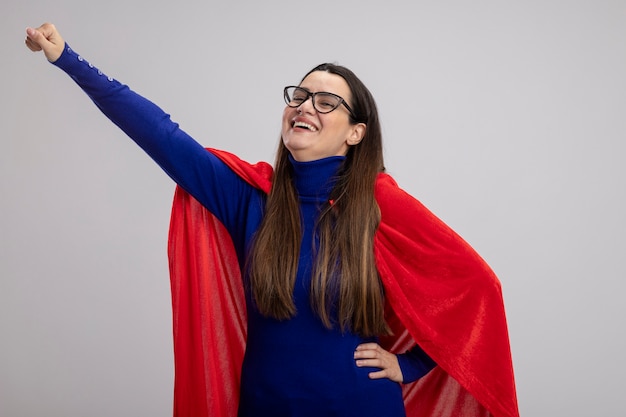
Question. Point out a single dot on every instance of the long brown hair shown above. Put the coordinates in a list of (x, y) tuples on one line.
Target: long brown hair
[(345, 286)]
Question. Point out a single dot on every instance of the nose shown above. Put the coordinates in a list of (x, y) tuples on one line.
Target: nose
[(306, 106)]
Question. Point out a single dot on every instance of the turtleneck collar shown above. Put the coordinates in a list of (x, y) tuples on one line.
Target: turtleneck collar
[(316, 178)]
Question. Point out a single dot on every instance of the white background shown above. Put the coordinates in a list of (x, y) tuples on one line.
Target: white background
[(507, 119)]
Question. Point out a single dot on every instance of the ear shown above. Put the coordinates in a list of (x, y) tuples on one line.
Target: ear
[(356, 134)]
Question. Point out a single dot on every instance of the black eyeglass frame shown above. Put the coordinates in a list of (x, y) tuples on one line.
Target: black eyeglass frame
[(312, 95)]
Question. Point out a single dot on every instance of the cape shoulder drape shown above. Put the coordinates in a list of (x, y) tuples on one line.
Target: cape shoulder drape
[(439, 293)]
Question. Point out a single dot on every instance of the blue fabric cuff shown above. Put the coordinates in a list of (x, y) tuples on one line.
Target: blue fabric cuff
[(414, 364)]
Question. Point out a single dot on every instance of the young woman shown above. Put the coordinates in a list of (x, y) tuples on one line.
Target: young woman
[(320, 282)]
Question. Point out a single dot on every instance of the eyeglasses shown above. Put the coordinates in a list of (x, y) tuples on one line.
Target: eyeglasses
[(323, 102)]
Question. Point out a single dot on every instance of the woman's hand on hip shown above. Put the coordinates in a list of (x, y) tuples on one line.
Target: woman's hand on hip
[(45, 38), (372, 355)]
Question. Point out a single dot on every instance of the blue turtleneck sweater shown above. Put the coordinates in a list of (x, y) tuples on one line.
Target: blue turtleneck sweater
[(295, 367)]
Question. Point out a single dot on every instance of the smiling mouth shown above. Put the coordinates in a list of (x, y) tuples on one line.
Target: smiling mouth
[(306, 126)]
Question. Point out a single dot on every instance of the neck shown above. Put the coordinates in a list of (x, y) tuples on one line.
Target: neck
[(316, 178)]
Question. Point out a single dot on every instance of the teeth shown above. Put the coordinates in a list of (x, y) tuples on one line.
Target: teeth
[(305, 125)]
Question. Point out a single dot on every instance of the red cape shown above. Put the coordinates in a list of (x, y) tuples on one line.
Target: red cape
[(440, 294)]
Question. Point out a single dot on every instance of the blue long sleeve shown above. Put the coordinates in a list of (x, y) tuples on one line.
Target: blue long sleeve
[(186, 161), (148, 125), (414, 364)]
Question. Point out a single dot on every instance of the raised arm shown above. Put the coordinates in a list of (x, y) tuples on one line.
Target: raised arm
[(182, 158), (179, 155), (187, 162)]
